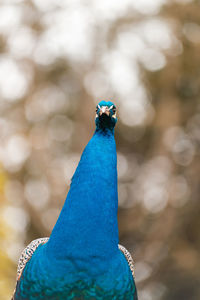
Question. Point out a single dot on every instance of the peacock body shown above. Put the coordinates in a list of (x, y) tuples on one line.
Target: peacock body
[(82, 259)]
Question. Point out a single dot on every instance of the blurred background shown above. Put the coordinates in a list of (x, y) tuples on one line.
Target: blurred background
[(57, 60)]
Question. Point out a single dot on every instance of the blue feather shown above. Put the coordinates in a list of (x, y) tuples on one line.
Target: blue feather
[(81, 260)]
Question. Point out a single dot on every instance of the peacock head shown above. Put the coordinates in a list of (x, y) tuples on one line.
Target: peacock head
[(106, 117)]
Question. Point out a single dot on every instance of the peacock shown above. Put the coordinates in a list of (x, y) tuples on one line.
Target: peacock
[(82, 258)]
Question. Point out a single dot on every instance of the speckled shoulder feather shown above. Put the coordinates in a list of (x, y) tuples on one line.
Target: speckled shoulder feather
[(30, 249)]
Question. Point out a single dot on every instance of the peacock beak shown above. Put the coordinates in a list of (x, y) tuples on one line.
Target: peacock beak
[(104, 110)]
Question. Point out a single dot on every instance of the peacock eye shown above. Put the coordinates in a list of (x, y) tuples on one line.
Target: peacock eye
[(96, 109), (114, 110)]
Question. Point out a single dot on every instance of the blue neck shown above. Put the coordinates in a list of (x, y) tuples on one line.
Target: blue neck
[(87, 227)]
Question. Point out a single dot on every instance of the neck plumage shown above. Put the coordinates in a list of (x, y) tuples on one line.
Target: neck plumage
[(87, 225)]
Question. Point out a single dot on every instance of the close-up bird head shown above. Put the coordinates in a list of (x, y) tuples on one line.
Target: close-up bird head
[(106, 117)]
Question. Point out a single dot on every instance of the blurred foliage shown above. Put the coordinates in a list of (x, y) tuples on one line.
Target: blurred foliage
[(56, 61), (6, 234)]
